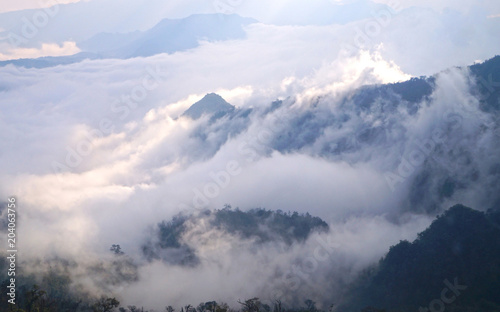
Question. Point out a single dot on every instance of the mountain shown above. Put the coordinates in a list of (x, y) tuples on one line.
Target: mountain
[(488, 75), (70, 21), (211, 104), (447, 169), (460, 248), (257, 225), (168, 36), (51, 61), (453, 265)]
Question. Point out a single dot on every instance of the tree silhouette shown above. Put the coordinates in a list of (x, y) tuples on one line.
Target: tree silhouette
[(105, 304)]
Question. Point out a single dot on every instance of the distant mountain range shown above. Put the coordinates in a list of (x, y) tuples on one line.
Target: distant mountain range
[(71, 20), (51, 61), (168, 36)]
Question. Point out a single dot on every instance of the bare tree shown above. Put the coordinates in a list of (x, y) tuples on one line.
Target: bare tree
[(105, 304), (169, 309), (251, 305), (278, 306)]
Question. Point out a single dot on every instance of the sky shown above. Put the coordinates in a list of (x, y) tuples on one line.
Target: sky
[(91, 167), (456, 24), (8, 6)]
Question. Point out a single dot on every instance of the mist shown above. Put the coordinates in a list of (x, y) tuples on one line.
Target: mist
[(99, 152)]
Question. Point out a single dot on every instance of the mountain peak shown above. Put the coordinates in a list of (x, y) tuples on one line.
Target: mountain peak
[(210, 104)]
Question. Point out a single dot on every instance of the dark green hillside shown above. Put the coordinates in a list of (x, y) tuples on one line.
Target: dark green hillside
[(488, 81), (460, 247)]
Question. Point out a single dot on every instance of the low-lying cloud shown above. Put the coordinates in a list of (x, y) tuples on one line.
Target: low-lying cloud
[(98, 153)]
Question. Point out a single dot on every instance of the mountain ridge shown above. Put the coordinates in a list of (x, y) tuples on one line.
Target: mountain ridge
[(167, 36), (211, 104), (461, 246)]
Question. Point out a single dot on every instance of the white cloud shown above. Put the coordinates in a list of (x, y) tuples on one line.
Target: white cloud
[(47, 49), (358, 242), (32, 4)]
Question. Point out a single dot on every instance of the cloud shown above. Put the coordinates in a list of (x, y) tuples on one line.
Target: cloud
[(33, 4), (128, 160), (47, 49), (313, 270), (150, 151), (421, 40), (463, 5)]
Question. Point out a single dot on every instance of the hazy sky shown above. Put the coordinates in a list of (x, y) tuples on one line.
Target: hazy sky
[(459, 25), (194, 6), (8, 6)]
